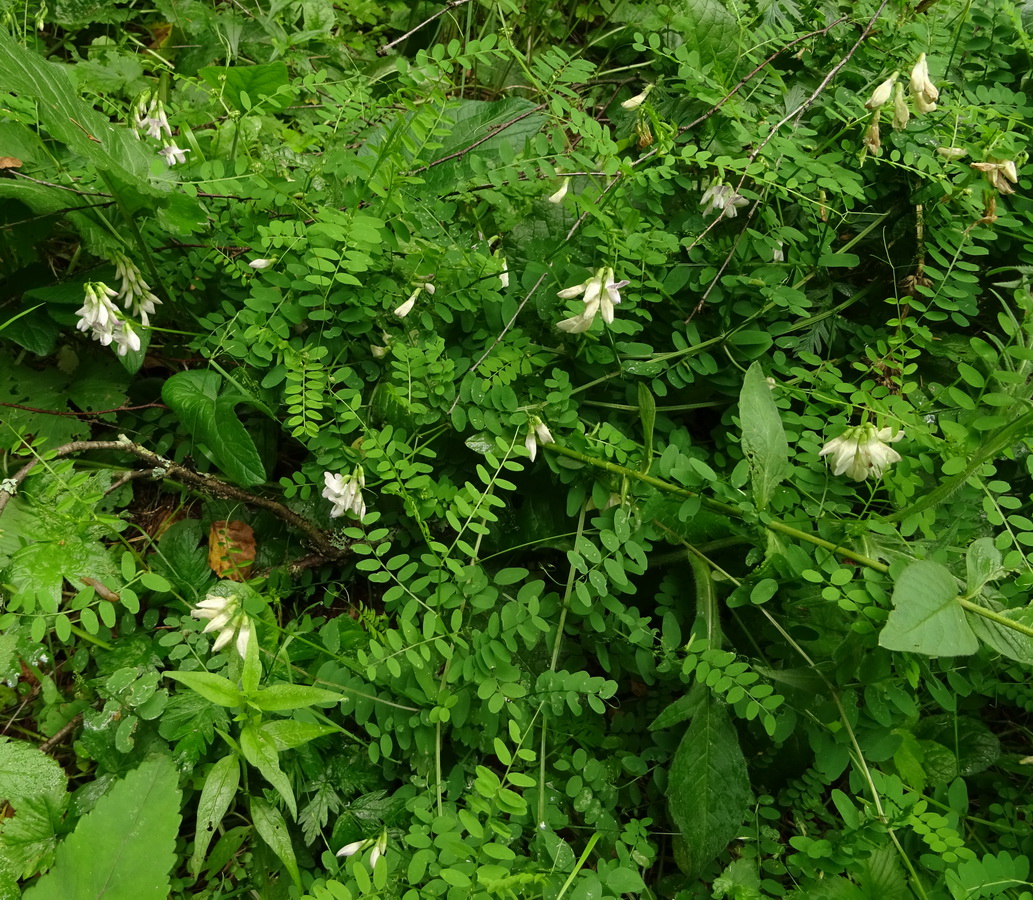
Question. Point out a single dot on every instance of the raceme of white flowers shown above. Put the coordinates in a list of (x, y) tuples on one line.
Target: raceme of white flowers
[(862, 452), (149, 119), (537, 433), (881, 95), (225, 615), (345, 493), (722, 197), (601, 295), (1001, 175), (135, 293)]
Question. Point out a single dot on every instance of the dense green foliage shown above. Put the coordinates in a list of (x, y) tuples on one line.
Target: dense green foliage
[(327, 524)]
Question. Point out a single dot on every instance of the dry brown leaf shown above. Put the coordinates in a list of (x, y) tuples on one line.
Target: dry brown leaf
[(10, 162), (231, 550)]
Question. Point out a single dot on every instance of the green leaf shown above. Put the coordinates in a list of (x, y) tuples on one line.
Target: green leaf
[(71, 120), (212, 419), (26, 771), (708, 28), (292, 696), (40, 569), (750, 344), (269, 824), (982, 564), (247, 87), (29, 841), (840, 260), (212, 687), (763, 437), (647, 413), (220, 787), (926, 616), (681, 710), (124, 848), (260, 750), (287, 734), (708, 786), (1006, 641)]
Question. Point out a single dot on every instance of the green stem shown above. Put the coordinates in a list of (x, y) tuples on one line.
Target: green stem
[(592, 841), (1003, 621), (989, 450), (145, 251), (86, 636), (717, 506)]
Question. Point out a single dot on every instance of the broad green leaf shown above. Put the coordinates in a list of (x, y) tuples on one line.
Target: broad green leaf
[(260, 750), (26, 771), (210, 686), (39, 570), (269, 824), (763, 438), (247, 87), (681, 710), (287, 734), (750, 344), (29, 840), (71, 120), (292, 696), (220, 787), (708, 28), (882, 877), (210, 416), (1006, 641), (708, 786), (926, 616), (124, 848), (982, 564)]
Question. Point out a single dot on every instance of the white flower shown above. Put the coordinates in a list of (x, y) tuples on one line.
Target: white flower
[(601, 294), (723, 197), (922, 89), (345, 493), (351, 849), (98, 314), (635, 102), (379, 849), (173, 155), (999, 174), (378, 351), (537, 433), (779, 253), (126, 338), (901, 114), (406, 308), (561, 193), (952, 153), (504, 274), (150, 117), (261, 263), (862, 452), (881, 95), (134, 291), (226, 615)]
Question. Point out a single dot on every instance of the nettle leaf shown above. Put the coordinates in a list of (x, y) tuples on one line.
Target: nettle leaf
[(124, 848), (39, 570), (926, 616), (29, 840), (709, 29), (26, 771), (210, 416), (708, 785), (763, 438)]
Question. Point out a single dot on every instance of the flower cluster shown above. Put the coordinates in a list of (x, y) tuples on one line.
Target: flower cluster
[(537, 433), (345, 493), (378, 844), (1001, 175), (226, 615), (722, 197), (923, 91), (601, 294), (406, 308), (862, 452), (135, 293), (150, 119), (101, 318)]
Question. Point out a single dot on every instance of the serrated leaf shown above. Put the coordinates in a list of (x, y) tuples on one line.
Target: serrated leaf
[(29, 841), (269, 824), (256, 82), (708, 785), (220, 787), (708, 28), (124, 848), (926, 616), (763, 437), (26, 771), (210, 416)]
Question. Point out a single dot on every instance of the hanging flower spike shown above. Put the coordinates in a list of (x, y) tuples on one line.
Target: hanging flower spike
[(149, 117), (1001, 175), (561, 193), (601, 294), (862, 452), (226, 615), (345, 493), (126, 338), (98, 314), (135, 292)]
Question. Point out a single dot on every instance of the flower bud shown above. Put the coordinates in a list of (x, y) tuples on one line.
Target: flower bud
[(901, 114), (881, 95), (561, 193)]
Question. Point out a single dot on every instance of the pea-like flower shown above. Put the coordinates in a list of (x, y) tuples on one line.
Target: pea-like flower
[(923, 90), (173, 155), (1001, 175), (135, 292), (862, 452), (601, 295), (225, 614), (561, 193), (901, 114), (723, 197), (881, 95), (149, 117), (345, 493), (379, 845), (258, 264), (421, 286), (98, 314), (537, 433), (635, 102)]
